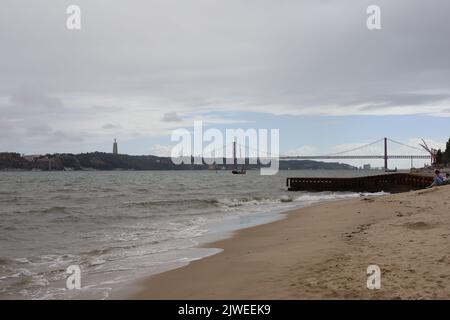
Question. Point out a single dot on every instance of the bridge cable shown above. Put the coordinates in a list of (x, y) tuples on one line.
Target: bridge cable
[(331, 154), (405, 145), (354, 149)]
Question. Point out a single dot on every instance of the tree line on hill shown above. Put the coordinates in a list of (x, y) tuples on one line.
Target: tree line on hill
[(443, 158), (109, 161)]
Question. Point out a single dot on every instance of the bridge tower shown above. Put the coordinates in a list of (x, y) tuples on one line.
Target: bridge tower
[(385, 155)]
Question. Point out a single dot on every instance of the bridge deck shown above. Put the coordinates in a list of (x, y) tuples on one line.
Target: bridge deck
[(341, 157), (395, 182)]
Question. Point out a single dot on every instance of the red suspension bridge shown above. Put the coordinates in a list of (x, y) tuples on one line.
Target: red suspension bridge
[(344, 155)]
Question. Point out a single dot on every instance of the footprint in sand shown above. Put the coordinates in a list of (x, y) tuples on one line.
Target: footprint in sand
[(420, 225)]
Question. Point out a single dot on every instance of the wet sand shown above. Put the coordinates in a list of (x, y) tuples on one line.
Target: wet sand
[(323, 251)]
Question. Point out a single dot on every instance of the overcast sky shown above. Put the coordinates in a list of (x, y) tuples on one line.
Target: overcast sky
[(139, 68)]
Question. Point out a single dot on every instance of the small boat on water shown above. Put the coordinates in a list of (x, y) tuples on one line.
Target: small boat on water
[(236, 170)]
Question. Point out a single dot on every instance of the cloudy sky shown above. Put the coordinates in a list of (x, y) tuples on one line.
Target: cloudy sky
[(140, 68)]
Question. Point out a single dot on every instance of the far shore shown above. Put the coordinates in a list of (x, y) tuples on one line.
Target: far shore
[(323, 251)]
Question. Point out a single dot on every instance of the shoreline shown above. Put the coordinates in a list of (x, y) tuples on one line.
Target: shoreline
[(322, 252), (228, 228)]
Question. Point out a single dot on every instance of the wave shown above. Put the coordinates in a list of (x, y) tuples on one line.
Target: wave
[(98, 252), (4, 261), (325, 196), (11, 200), (205, 203), (233, 202), (180, 202), (56, 209)]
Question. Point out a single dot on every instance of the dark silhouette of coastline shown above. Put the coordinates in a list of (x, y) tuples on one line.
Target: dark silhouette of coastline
[(110, 161)]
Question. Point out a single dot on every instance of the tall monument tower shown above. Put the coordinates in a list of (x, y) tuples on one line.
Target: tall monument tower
[(115, 150)]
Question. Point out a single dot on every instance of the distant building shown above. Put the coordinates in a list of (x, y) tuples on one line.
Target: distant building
[(366, 167), (31, 157), (115, 149)]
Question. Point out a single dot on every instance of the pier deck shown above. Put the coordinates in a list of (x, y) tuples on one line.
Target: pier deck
[(395, 182)]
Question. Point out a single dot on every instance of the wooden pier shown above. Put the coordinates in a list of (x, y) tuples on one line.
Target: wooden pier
[(395, 182)]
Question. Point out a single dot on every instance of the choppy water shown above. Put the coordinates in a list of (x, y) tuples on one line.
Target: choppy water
[(119, 226)]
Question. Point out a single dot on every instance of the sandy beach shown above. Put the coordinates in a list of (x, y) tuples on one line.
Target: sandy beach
[(323, 251)]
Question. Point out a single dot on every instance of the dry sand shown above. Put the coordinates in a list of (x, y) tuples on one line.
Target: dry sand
[(322, 252)]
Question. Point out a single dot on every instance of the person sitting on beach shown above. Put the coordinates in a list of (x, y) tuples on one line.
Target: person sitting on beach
[(438, 181), (446, 179)]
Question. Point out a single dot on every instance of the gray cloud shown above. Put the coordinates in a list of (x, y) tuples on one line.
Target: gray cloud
[(45, 133), (399, 100), (61, 136), (302, 53), (30, 98), (171, 117), (39, 130), (7, 130), (289, 57), (111, 126)]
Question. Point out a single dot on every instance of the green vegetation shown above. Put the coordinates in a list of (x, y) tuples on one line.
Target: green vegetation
[(109, 161), (446, 154), (444, 157)]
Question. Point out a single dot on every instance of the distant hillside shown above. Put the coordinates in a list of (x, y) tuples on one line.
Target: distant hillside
[(109, 161)]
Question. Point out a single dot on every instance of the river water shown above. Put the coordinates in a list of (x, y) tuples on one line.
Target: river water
[(121, 225)]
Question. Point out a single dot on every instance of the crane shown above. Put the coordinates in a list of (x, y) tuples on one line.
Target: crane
[(433, 152)]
